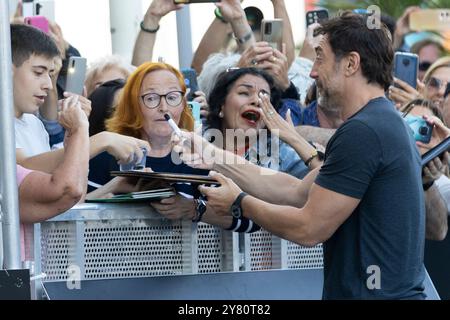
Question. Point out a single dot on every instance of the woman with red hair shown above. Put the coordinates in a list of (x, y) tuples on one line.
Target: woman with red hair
[(152, 90)]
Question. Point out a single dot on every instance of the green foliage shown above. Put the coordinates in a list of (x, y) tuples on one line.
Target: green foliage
[(390, 7)]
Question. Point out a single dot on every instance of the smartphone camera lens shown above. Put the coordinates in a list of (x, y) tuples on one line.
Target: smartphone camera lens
[(405, 62), (268, 29), (423, 131)]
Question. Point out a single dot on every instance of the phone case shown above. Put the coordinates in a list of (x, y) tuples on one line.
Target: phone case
[(430, 20), (76, 74), (190, 79), (406, 67), (38, 22), (195, 109), (272, 32), (316, 16), (436, 151)]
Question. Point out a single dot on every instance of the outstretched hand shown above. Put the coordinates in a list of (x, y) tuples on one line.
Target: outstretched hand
[(221, 198), (195, 151)]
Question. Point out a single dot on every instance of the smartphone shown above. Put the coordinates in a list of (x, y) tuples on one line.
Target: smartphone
[(194, 1), (314, 16), (28, 8), (195, 109), (190, 79), (421, 130), (45, 8), (406, 67), (430, 20), (272, 32), (76, 74), (437, 151), (38, 22)]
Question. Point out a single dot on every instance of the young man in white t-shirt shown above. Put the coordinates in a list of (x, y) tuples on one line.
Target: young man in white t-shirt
[(35, 57)]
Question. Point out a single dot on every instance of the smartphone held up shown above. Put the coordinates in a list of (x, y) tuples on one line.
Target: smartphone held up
[(430, 20), (272, 32), (316, 16), (406, 67), (38, 22), (76, 74)]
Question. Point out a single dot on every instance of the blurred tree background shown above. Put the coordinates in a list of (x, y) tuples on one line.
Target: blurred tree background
[(390, 7)]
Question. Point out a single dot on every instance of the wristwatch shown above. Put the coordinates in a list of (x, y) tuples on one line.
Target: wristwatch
[(200, 210), (236, 209)]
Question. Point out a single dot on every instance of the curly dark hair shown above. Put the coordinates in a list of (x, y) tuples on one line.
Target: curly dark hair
[(223, 85)]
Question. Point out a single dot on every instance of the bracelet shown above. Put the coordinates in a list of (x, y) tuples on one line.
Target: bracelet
[(148, 30), (427, 185), (245, 38), (219, 15), (313, 155)]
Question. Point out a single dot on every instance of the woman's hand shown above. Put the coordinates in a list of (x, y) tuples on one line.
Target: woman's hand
[(435, 169), (404, 93), (200, 97), (255, 54), (285, 130)]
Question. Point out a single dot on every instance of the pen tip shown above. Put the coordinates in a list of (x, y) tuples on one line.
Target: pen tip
[(166, 116)]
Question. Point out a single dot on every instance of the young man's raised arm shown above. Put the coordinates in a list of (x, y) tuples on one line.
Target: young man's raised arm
[(43, 195)]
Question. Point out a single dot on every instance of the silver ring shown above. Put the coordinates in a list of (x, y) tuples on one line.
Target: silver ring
[(271, 113), (254, 62)]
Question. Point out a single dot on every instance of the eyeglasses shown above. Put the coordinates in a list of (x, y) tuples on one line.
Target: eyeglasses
[(152, 100)]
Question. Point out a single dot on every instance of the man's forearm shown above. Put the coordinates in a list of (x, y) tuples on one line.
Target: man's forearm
[(436, 214), (46, 162), (284, 189), (315, 134), (74, 167)]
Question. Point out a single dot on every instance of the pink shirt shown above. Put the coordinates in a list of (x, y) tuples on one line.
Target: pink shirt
[(26, 230)]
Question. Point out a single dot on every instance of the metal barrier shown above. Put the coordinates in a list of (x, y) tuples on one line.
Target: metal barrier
[(106, 241)]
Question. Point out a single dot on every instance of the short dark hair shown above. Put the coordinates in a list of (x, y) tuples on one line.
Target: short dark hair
[(27, 40), (350, 32), (223, 85)]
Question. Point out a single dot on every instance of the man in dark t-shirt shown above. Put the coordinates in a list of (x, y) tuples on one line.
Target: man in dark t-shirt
[(382, 240), (366, 203)]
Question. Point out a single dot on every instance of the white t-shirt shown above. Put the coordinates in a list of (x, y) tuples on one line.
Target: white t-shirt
[(443, 184), (31, 135)]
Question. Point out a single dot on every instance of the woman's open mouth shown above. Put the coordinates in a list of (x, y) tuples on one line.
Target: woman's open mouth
[(251, 116)]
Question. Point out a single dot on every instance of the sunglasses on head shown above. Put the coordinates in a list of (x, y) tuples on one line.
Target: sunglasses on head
[(423, 66), (437, 83)]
